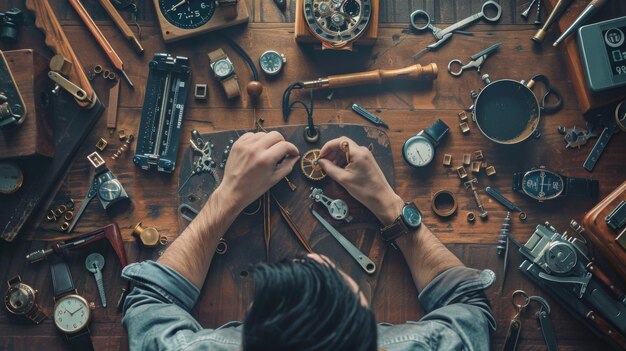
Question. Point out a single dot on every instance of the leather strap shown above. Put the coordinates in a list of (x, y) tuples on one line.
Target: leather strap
[(229, 7), (36, 315), (437, 131), (517, 181), (547, 329), (396, 229), (230, 83), (580, 187), (80, 342), (62, 282)]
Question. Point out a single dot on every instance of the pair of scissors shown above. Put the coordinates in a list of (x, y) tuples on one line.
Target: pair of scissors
[(442, 35), (477, 61)]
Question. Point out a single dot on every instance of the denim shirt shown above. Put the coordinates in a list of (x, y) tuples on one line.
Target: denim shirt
[(156, 314)]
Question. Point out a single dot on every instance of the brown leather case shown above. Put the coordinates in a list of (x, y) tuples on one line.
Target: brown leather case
[(603, 237)]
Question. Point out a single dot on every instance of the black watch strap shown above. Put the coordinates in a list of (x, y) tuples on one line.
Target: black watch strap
[(393, 231), (517, 181), (580, 187), (62, 282), (437, 131), (80, 342)]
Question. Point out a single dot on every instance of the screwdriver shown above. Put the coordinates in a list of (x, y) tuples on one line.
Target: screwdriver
[(102, 41)]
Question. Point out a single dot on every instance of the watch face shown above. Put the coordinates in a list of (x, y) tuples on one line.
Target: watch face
[(71, 314), (542, 184), (187, 14), (412, 216), (109, 190), (418, 151), (222, 68), (271, 62), (20, 299), (337, 20)]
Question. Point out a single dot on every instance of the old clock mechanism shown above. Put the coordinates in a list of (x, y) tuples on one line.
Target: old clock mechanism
[(337, 24), (180, 19)]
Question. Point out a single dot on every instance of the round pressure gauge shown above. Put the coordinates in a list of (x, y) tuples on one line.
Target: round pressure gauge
[(272, 62), (11, 178), (418, 151)]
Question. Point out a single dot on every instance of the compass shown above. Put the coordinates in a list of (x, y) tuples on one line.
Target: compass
[(337, 22)]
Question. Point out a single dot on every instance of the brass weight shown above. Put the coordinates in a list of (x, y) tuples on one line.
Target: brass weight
[(149, 236)]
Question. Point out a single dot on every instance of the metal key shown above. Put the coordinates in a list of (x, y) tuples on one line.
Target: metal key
[(610, 128), (94, 263), (520, 301)]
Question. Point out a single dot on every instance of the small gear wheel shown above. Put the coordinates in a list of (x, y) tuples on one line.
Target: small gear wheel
[(310, 167)]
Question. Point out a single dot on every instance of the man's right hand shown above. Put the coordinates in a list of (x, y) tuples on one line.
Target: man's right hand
[(257, 162), (362, 178)]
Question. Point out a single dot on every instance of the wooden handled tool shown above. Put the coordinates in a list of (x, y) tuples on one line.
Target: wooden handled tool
[(413, 72), (55, 38), (102, 41), (560, 7), (121, 24)]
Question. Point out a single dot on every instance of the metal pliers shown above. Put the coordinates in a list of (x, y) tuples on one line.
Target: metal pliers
[(477, 60)]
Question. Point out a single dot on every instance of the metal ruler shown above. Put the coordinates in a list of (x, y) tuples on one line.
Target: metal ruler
[(162, 113)]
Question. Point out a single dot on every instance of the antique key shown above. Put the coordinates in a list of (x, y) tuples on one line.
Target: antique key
[(338, 209), (520, 301), (94, 263)]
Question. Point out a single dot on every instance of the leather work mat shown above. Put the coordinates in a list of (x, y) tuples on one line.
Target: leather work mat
[(245, 240)]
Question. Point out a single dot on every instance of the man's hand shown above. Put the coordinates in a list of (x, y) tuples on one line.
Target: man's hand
[(257, 162), (362, 178)]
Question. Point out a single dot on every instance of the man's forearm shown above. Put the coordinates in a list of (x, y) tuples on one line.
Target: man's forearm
[(191, 253), (426, 256)]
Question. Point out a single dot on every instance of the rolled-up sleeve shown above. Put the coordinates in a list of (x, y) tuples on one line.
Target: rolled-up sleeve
[(156, 312), (458, 315)]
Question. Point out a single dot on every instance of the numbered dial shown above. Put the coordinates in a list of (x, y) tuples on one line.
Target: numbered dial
[(337, 21), (110, 190), (272, 62), (418, 151), (71, 313), (187, 14), (542, 184), (338, 209)]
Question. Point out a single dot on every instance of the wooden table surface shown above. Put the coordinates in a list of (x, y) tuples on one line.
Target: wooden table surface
[(406, 107)]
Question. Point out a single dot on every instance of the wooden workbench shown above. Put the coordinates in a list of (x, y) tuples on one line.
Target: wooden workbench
[(406, 107)]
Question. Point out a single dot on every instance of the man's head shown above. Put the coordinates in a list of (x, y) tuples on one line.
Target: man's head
[(307, 304)]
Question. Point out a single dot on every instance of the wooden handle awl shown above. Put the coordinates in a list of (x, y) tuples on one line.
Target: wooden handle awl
[(46, 20), (413, 72)]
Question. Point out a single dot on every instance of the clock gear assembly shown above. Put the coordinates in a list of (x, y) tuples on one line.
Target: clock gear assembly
[(337, 24), (310, 166)]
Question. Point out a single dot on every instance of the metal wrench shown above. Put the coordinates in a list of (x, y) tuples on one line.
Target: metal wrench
[(368, 265)]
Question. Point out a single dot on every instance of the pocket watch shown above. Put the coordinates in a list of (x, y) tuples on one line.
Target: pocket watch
[(272, 62), (337, 23), (419, 150), (20, 299)]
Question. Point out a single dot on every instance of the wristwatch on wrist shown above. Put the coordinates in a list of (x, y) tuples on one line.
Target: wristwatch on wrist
[(224, 71), (542, 184), (72, 313), (21, 300), (410, 219), (229, 7)]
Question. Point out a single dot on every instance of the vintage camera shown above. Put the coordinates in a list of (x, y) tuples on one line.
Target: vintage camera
[(10, 23)]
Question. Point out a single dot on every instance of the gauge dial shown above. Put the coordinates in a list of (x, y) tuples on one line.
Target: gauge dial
[(418, 151), (187, 14), (337, 21), (71, 313), (109, 190), (222, 68), (11, 178), (271, 62), (542, 184), (338, 209)]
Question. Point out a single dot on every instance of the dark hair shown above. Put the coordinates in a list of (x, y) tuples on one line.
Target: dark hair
[(304, 305)]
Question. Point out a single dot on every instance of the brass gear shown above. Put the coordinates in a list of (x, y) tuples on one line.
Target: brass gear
[(309, 166)]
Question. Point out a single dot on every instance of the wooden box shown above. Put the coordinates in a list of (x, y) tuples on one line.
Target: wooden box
[(303, 35), (589, 103), (35, 136)]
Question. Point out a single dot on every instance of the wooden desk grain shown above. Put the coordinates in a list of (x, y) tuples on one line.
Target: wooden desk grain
[(406, 107)]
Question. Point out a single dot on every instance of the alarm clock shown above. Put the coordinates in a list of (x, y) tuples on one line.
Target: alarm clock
[(602, 49), (180, 19)]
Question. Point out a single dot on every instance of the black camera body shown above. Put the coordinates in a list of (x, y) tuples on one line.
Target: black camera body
[(10, 23)]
